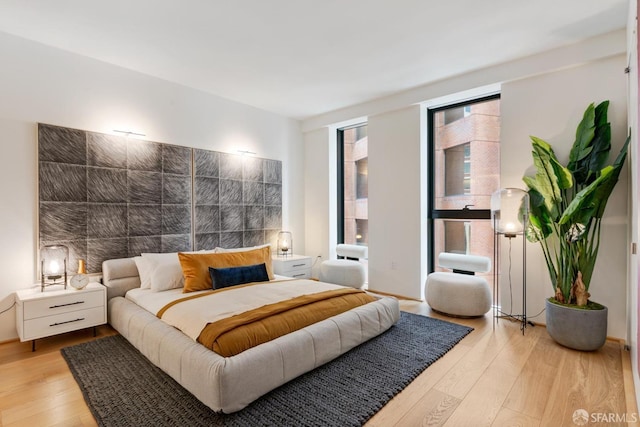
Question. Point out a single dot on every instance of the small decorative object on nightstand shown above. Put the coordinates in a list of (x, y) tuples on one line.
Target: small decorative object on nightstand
[(53, 265), (298, 266), (80, 280), (82, 267), (59, 310), (285, 244)]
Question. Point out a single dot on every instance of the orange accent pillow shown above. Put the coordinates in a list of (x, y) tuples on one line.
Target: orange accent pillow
[(195, 266)]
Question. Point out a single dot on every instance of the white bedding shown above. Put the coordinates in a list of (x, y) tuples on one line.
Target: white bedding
[(154, 301), (192, 316)]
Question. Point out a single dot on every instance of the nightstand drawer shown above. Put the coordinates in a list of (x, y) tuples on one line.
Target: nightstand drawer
[(297, 266), (299, 274), (43, 307), (63, 322)]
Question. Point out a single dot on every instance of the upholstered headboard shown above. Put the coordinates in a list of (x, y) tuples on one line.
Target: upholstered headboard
[(119, 276)]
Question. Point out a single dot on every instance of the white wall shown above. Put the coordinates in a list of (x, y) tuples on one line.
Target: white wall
[(42, 84), (397, 223), (550, 106), (543, 95), (319, 201), (397, 212), (588, 50)]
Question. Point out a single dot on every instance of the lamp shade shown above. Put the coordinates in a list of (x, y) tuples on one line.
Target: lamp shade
[(53, 264), (285, 243), (509, 210)]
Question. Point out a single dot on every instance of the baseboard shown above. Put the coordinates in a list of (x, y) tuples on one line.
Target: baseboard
[(373, 291), (9, 341)]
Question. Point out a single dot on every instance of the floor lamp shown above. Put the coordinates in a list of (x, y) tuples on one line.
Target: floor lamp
[(510, 218)]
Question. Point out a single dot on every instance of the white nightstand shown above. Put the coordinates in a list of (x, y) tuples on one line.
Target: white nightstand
[(298, 266), (58, 310)]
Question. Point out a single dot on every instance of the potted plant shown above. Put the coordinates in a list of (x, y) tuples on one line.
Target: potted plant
[(566, 208)]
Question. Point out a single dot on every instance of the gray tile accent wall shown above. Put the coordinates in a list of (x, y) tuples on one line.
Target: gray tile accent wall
[(232, 196), (108, 196)]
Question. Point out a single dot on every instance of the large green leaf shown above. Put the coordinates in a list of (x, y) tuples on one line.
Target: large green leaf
[(587, 203), (606, 190), (540, 223), (551, 177), (601, 143), (584, 135), (590, 151), (591, 201)]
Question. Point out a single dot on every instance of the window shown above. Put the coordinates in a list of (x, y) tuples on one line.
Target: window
[(457, 236), (456, 113), (360, 132), (362, 231), (464, 169), (353, 185), (466, 178), (362, 178), (457, 170), (453, 114)]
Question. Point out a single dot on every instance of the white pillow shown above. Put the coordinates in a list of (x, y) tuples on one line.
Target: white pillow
[(165, 271), (144, 271)]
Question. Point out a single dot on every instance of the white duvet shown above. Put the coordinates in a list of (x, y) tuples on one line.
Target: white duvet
[(193, 315)]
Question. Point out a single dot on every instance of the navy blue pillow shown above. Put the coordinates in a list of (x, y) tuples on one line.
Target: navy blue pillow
[(225, 277)]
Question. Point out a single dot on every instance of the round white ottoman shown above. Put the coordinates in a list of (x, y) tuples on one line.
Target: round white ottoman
[(342, 272), (459, 295)]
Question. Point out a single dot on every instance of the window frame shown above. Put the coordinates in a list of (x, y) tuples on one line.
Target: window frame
[(445, 214)]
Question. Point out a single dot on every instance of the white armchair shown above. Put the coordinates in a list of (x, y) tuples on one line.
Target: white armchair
[(459, 293), (345, 272)]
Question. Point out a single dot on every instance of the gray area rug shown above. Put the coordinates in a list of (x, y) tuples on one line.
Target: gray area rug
[(122, 388)]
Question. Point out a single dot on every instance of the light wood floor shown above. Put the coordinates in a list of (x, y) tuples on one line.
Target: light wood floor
[(491, 378)]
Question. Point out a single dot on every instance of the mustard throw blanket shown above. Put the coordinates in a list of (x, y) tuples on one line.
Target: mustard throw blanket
[(244, 329)]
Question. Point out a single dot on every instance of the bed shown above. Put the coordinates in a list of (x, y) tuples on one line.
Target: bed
[(228, 384)]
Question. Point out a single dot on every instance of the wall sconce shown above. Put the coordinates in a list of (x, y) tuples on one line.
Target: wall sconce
[(246, 152), (285, 243), (129, 133), (53, 265)]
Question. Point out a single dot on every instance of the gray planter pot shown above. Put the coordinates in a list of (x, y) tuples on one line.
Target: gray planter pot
[(578, 329)]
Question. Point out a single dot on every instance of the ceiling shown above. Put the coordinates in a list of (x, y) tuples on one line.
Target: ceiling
[(302, 58)]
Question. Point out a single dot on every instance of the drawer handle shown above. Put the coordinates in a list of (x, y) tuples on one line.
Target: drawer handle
[(299, 265), (68, 321), (65, 305), (300, 275)]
